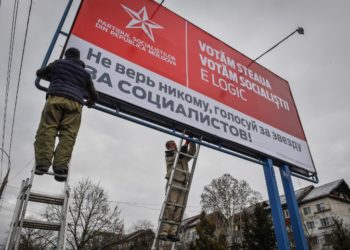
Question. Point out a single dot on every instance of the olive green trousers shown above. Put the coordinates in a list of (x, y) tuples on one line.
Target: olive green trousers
[(61, 116)]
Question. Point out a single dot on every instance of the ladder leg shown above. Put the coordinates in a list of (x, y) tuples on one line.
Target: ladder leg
[(19, 221), (28, 188), (63, 230), (15, 217), (189, 184)]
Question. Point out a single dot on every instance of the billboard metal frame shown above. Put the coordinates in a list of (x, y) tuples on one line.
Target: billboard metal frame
[(135, 114), (267, 163)]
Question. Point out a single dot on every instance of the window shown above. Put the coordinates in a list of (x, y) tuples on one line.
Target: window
[(307, 210), (188, 235), (310, 225), (320, 207), (325, 222), (194, 235)]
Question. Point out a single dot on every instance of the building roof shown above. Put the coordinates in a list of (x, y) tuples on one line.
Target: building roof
[(326, 190), (131, 236), (310, 193), (194, 220), (300, 194)]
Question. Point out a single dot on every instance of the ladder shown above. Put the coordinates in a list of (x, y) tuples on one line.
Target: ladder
[(24, 197), (156, 242)]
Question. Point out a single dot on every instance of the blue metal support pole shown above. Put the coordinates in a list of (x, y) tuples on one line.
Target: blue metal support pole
[(275, 204), (53, 42), (293, 209)]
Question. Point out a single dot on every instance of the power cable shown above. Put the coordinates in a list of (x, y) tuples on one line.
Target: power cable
[(9, 65), (156, 10), (20, 74), (30, 210), (5, 180), (20, 171)]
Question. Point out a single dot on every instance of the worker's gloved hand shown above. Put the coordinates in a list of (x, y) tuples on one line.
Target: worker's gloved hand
[(89, 104), (190, 136)]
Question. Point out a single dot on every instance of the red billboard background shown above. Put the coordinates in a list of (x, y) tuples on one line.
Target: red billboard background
[(156, 39), (172, 40)]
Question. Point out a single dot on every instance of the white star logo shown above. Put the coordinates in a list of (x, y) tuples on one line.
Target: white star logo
[(140, 21)]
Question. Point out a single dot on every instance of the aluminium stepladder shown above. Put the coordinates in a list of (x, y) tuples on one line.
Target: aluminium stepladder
[(24, 197), (170, 185)]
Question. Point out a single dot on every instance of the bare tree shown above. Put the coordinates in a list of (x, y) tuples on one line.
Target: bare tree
[(229, 196), (35, 239), (90, 216), (142, 225)]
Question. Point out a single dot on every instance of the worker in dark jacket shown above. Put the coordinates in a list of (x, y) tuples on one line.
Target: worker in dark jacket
[(172, 213), (69, 84)]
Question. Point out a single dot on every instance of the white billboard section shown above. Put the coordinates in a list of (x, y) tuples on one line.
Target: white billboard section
[(129, 82)]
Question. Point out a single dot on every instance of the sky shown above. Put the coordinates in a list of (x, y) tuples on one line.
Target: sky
[(127, 159)]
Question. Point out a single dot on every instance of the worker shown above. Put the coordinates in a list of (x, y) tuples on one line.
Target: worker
[(61, 116), (176, 196)]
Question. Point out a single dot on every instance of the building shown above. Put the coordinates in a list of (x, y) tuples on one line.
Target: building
[(139, 240), (188, 231), (317, 207)]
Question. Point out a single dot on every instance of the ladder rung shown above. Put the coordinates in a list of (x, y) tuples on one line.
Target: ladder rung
[(41, 225), (178, 187), (59, 175), (48, 199), (183, 171), (171, 222), (185, 154), (175, 204)]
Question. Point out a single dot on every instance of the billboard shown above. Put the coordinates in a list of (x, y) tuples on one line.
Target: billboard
[(158, 66)]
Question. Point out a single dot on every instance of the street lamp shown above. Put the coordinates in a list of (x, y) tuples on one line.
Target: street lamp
[(299, 30)]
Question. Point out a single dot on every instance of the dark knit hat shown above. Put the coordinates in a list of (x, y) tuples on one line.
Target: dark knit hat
[(72, 52)]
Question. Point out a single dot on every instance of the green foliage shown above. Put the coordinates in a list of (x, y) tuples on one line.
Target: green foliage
[(257, 230), (340, 235), (206, 236)]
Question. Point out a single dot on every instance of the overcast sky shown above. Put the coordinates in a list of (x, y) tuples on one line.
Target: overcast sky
[(128, 159)]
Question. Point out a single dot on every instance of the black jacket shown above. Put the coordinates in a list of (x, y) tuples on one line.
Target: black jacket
[(69, 79)]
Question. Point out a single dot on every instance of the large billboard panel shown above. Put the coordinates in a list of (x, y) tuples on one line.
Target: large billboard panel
[(145, 56)]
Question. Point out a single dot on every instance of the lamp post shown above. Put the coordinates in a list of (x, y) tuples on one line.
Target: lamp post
[(5, 180), (299, 30)]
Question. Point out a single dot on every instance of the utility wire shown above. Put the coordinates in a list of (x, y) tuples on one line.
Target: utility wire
[(20, 171), (4, 182), (20, 74), (156, 10), (13, 32)]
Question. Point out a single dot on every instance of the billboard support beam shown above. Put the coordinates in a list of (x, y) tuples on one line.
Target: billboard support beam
[(275, 204), (293, 209), (53, 41)]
